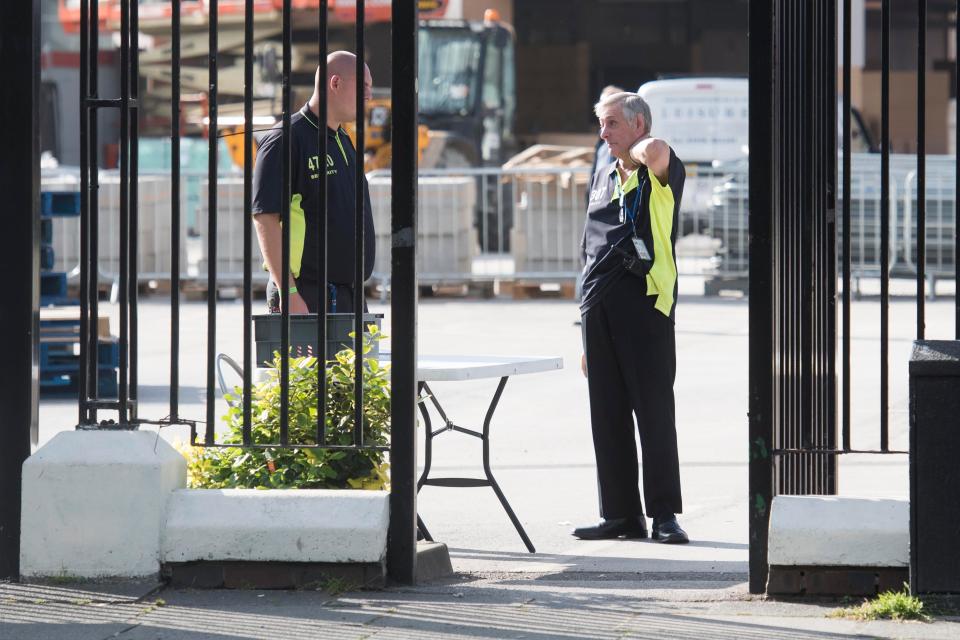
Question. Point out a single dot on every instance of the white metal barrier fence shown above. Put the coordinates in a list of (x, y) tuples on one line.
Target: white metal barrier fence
[(730, 208), (526, 223)]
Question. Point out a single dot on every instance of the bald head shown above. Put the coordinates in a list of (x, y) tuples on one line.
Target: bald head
[(341, 86)]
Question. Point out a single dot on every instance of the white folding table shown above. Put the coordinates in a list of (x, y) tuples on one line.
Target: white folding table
[(457, 368)]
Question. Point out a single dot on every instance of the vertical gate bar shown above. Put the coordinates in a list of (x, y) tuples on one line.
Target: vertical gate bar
[(247, 217), (83, 381), (401, 542), (845, 238), (285, 190), (358, 289), (212, 131), (956, 170), (828, 243), (322, 229), (124, 208), (20, 43), (763, 186), (175, 213), (134, 197), (921, 166), (93, 170), (884, 220)]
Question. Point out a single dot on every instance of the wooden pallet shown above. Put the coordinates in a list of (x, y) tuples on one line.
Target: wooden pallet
[(197, 290), (60, 323), (533, 290)]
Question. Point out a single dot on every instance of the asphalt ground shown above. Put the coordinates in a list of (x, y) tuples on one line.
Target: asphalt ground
[(541, 453)]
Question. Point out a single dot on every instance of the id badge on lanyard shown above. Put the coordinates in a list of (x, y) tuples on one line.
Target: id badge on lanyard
[(631, 214)]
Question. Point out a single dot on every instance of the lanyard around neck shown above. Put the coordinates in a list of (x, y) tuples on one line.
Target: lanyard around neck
[(630, 213)]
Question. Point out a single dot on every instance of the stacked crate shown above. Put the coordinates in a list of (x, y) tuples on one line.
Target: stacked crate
[(230, 253), (154, 243), (60, 353), (60, 314), (446, 238), (549, 210)]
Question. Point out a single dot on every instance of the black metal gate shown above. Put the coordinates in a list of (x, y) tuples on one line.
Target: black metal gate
[(123, 412), (794, 223)]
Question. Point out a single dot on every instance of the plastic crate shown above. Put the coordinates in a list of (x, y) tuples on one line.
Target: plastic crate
[(303, 334), (53, 284), (46, 257), (59, 203)]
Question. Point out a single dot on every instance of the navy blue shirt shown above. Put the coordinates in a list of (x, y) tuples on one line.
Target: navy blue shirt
[(305, 210), (607, 226)]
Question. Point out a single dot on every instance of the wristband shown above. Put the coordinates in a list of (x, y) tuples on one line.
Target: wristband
[(292, 289)]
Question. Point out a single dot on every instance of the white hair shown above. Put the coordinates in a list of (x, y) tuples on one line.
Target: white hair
[(631, 104)]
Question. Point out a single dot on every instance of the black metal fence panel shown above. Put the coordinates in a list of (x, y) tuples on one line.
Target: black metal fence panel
[(123, 412), (793, 272)]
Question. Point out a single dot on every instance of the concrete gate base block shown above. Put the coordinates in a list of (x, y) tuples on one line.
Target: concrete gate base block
[(94, 502), (280, 525), (836, 531), (832, 545)]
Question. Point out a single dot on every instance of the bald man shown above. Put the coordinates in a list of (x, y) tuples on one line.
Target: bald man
[(306, 211)]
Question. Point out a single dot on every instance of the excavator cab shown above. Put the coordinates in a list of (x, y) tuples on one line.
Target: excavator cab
[(467, 89)]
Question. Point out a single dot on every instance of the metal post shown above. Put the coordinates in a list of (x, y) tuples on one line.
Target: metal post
[(285, 189), (124, 372), (401, 545), (884, 223), (175, 214), (212, 131), (358, 289), (847, 141), (134, 205), (247, 219), (20, 182), (763, 198), (921, 165), (322, 230)]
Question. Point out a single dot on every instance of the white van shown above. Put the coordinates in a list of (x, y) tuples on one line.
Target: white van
[(703, 119), (707, 119)]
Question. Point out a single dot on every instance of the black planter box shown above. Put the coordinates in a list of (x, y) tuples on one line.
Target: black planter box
[(303, 334)]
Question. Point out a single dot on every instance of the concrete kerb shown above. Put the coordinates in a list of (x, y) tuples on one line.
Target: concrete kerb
[(113, 505)]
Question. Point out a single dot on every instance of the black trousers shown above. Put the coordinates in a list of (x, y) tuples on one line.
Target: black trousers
[(631, 365), (309, 292)]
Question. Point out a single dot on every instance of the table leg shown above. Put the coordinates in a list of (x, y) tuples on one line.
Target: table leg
[(427, 454), (489, 473), (488, 480)]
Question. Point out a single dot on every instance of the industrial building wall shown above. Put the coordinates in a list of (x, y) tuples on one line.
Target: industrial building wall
[(565, 57)]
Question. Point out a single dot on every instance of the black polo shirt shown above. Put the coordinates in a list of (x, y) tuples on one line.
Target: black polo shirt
[(607, 226), (305, 210)]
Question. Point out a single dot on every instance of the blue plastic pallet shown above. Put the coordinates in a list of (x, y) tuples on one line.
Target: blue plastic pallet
[(53, 284), (63, 357), (69, 384), (46, 257), (46, 230), (59, 203)]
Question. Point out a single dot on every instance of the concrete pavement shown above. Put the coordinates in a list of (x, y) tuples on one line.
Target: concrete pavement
[(542, 456), (469, 606)]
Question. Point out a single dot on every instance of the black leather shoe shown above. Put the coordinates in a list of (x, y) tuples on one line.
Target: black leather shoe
[(667, 530), (635, 527)]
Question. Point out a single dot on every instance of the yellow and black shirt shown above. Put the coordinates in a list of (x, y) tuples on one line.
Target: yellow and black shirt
[(607, 226), (305, 209)]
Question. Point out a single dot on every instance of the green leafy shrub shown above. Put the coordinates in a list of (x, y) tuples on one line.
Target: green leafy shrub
[(297, 467)]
